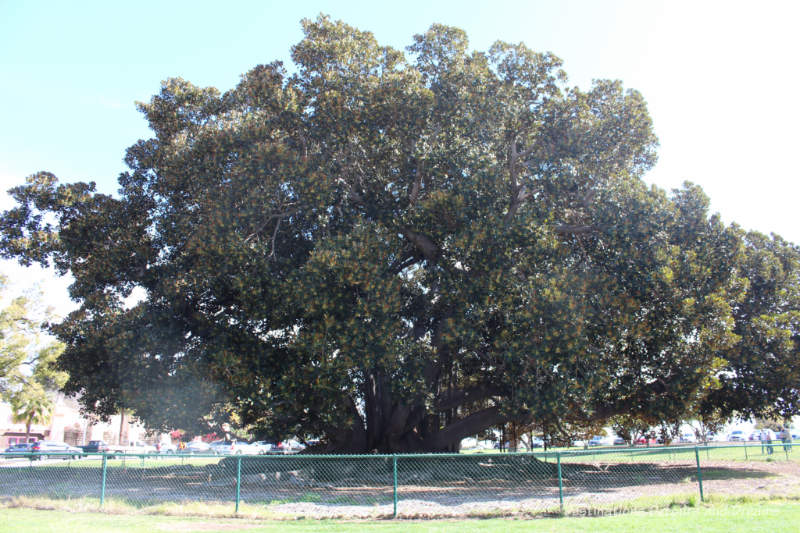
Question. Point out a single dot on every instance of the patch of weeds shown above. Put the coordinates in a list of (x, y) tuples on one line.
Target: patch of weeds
[(307, 497), (310, 497), (486, 514), (347, 500), (679, 502), (714, 499), (191, 509)]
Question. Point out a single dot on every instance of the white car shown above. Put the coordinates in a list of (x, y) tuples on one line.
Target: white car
[(166, 447), (233, 447), (293, 445), (263, 447), (137, 446), (469, 443), (737, 436), (196, 446)]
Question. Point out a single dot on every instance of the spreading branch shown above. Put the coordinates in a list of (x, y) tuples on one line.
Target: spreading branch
[(424, 244)]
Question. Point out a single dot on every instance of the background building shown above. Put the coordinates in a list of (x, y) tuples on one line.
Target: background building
[(68, 425)]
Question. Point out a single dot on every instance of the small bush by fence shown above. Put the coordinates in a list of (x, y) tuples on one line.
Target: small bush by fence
[(371, 486)]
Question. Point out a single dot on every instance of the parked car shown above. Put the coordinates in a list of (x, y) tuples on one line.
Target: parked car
[(264, 447), (95, 446), (536, 442), (220, 447), (736, 436), (22, 449), (137, 446), (292, 445), (687, 437), (58, 449), (600, 440), (166, 448), (619, 441), (233, 447), (196, 446)]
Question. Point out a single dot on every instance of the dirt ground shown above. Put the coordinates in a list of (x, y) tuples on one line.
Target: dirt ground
[(491, 490)]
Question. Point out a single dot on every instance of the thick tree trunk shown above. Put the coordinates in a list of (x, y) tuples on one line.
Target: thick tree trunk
[(120, 440), (381, 421), (407, 429)]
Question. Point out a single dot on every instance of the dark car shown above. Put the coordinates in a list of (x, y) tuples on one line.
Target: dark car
[(95, 446), (22, 449), (43, 448)]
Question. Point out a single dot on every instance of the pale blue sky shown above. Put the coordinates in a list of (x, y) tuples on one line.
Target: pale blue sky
[(720, 78)]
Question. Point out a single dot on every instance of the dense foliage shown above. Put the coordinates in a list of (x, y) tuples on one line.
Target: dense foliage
[(395, 251)]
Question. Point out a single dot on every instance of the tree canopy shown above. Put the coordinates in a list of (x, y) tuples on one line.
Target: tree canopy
[(393, 251)]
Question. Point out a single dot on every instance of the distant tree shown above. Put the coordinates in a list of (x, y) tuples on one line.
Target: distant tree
[(669, 430), (389, 251), (630, 427), (708, 424), (31, 405), (775, 424), (28, 377), (13, 340)]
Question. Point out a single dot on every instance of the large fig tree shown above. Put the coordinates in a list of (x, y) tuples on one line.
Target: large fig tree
[(388, 250)]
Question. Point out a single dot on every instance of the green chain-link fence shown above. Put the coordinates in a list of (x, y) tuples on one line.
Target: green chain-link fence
[(408, 486)]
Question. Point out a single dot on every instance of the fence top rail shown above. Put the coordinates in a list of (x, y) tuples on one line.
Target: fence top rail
[(627, 450)]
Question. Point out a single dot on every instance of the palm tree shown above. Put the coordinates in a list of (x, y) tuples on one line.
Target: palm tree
[(31, 405)]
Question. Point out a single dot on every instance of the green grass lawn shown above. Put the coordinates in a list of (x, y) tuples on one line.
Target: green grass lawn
[(752, 517), (132, 461), (724, 452), (750, 451)]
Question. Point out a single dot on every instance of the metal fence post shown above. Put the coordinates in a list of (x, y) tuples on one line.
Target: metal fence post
[(560, 484), (238, 482), (745, 452), (699, 473), (394, 495), (103, 481)]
